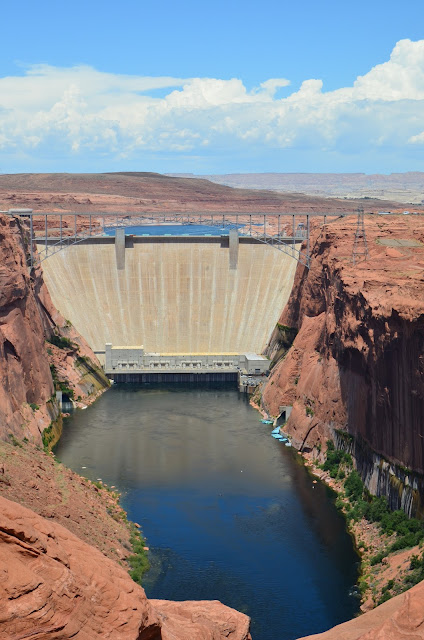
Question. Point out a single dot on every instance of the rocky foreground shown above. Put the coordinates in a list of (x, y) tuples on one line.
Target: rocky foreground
[(53, 585), (401, 618)]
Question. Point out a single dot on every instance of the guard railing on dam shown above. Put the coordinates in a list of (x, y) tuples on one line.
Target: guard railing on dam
[(56, 231)]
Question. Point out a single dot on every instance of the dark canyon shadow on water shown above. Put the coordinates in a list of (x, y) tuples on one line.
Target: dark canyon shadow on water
[(230, 513)]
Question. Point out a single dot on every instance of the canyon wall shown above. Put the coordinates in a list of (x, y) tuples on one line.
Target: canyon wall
[(28, 320), (355, 369)]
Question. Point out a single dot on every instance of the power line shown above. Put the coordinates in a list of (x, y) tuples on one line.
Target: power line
[(360, 247)]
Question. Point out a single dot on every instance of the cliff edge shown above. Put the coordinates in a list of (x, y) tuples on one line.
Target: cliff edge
[(356, 363), (40, 352), (54, 586)]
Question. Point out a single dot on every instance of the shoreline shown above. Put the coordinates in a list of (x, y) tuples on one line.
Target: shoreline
[(368, 541)]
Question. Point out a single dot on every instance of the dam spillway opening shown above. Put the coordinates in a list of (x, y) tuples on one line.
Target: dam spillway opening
[(190, 295)]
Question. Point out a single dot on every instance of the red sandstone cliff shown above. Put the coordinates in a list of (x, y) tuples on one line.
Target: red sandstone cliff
[(54, 586), (401, 618), (357, 362), (27, 319)]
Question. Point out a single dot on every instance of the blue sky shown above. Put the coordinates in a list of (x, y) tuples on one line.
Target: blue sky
[(212, 87)]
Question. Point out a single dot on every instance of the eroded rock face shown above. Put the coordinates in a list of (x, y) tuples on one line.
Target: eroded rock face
[(202, 620), (401, 618), (27, 318), (24, 368), (357, 362), (54, 586)]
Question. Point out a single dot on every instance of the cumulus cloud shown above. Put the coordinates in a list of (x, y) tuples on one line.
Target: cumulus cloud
[(80, 110)]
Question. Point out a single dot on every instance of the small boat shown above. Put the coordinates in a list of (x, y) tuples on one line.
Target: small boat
[(288, 444), (277, 436), (276, 430), (264, 421)]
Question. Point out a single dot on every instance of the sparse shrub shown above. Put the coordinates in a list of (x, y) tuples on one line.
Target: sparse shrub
[(48, 436), (138, 562), (378, 558), (339, 504), (384, 597), (61, 342), (334, 458), (66, 390), (354, 486), (14, 441)]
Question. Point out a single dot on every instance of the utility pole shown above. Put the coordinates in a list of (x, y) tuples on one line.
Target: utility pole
[(360, 247)]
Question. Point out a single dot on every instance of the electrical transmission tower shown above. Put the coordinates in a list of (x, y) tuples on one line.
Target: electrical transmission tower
[(360, 247)]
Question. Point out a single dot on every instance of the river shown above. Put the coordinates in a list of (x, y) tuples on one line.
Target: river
[(229, 513)]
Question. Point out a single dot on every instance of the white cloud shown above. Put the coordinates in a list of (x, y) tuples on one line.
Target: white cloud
[(80, 110)]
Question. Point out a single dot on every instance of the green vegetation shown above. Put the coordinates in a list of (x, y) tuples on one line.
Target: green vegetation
[(138, 562), (417, 571), (354, 487), (14, 441), (48, 436), (345, 436), (337, 461), (61, 385), (400, 531), (309, 411), (34, 406), (415, 575), (361, 504), (61, 342)]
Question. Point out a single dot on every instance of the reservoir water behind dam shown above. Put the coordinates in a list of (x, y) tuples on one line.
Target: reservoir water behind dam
[(229, 513)]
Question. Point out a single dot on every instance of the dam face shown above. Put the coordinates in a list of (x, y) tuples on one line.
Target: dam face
[(171, 294)]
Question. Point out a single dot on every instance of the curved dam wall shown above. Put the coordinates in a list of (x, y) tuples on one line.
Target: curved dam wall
[(171, 294)]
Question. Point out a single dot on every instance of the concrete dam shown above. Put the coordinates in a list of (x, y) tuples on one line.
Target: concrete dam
[(173, 295)]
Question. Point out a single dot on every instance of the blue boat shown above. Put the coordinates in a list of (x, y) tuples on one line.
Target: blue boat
[(277, 436), (267, 421), (276, 430)]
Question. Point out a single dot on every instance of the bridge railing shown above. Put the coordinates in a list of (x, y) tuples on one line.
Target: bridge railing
[(53, 232)]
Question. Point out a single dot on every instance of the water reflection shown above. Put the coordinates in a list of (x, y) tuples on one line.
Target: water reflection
[(228, 510)]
